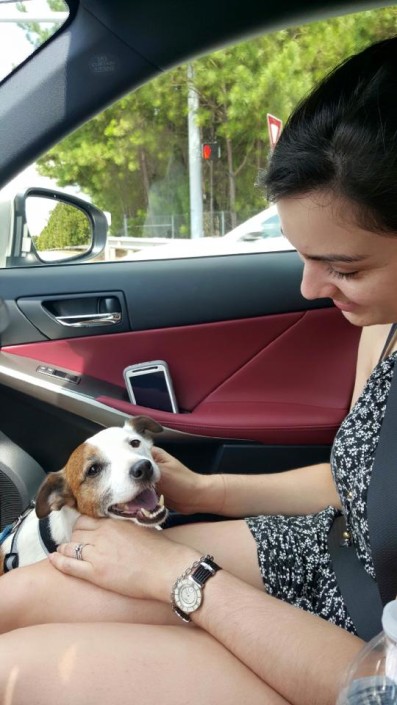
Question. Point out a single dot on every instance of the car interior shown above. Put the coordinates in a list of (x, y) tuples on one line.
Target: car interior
[(246, 352)]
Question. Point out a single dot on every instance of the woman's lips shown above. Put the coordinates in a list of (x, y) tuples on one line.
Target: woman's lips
[(344, 305)]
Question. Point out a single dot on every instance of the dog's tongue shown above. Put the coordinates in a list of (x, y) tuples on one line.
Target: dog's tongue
[(146, 509), (145, 500)]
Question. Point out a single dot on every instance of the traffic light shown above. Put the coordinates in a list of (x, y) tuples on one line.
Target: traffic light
[(210, 151)]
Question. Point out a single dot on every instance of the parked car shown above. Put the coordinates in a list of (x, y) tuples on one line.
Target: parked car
[(246, 352), (263, 225), (260, 233)]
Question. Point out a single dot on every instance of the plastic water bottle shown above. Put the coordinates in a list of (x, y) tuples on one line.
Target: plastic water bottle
[(372, 677)]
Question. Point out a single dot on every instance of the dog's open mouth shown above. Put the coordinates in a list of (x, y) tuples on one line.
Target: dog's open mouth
[(146, 508)]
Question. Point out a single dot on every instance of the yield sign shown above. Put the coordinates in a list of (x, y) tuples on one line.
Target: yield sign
[(274, 125)]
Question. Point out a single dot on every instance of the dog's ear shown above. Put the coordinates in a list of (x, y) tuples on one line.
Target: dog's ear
[(53, 494), (144, 425)]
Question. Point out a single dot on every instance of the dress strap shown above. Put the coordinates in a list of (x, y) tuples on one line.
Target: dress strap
[(390, 337)]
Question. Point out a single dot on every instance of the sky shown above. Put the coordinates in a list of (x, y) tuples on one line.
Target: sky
[(14, 48), (14, 45)]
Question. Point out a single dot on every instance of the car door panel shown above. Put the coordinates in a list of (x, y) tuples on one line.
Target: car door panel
[(78, 314), (277, 394), (200, 357), (161, 293), (257, 379), (258, 368)]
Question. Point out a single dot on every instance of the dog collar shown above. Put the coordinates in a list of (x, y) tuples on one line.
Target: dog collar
[(46, 539)]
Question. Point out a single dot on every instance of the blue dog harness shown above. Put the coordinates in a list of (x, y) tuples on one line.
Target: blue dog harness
[(11, 559), (6, 532)]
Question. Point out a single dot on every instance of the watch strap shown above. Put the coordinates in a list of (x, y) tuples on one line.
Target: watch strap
[(182, 615), (205, 570), (199, 573)]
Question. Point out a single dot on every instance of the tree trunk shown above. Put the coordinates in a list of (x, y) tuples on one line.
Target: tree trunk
[(145, 174)]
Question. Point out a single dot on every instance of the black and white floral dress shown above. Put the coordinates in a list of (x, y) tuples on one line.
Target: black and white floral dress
[(292, 551)]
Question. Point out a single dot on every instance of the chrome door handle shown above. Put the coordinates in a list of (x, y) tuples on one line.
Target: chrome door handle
[(89, 320)]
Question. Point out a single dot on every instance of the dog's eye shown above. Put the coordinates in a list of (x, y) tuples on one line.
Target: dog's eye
[(135, 443), (93, 470)]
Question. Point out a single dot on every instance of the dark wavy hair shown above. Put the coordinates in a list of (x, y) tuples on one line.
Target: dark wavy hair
[(342, 138)]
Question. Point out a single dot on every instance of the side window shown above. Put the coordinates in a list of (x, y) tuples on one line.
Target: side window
[(271, 227), (170, 169), (24, 28)]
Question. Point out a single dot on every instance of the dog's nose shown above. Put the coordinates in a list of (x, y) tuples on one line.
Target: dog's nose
[(142, 470)]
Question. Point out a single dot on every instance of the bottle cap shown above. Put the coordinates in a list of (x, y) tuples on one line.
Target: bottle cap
[(389, 619)]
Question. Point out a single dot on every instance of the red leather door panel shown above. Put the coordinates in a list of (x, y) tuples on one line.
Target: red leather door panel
[(281, 379)]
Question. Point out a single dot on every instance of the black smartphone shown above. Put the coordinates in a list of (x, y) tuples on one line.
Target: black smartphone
[(149, 384)]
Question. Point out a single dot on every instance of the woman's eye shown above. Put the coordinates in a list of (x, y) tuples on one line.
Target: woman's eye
[(135, 443), (93, 470), (341, 275)]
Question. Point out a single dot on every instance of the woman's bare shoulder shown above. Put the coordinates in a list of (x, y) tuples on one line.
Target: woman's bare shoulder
[(370, 348), (372, 342)]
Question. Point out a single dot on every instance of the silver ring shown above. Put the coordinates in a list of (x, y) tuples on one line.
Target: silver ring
[(78, 551)]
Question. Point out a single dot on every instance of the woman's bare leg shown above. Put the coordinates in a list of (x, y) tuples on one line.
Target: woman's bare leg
[(39, 594), (129, 663)]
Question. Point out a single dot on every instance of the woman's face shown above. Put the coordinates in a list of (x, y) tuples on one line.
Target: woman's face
[(355, 268)]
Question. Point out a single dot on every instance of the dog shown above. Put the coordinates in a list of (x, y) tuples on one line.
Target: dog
[(111, 474)]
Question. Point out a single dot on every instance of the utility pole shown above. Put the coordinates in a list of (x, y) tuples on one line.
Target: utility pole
[(195, 177)]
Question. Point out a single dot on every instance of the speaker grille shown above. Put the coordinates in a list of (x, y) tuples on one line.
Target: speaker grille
[(10, 501)]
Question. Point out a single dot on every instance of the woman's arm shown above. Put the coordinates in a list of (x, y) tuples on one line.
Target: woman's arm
[(299, 655), (300, 491)]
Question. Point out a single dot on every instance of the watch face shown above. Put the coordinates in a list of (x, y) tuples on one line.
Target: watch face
[(187, 595)]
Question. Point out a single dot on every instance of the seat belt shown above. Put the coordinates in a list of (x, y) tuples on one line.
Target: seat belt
[(364, 597), (359, 590), (382, 498)]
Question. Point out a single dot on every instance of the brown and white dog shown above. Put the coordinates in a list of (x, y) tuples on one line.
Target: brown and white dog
[(112, 474)]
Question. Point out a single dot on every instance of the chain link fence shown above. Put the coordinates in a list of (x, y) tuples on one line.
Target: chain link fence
[(177, 225)]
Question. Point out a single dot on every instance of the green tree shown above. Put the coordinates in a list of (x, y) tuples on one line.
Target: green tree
[(239, 85), (133, 158), (123, 156), (67, 226)]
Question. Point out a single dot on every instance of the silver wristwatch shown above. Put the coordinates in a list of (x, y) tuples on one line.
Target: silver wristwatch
[(187, 591)]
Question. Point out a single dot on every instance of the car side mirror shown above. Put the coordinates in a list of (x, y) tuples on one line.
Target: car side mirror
[(48, 226)]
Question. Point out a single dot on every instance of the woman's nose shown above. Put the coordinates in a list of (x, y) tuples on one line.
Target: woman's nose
[(315, 282)]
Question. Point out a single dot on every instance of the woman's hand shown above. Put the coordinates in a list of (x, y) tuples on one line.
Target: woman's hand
[(125, 558), (186, 491)]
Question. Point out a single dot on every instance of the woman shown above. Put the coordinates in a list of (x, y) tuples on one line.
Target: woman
[(333, 176)]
